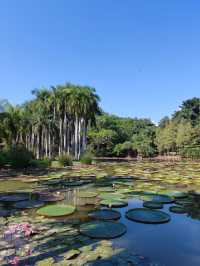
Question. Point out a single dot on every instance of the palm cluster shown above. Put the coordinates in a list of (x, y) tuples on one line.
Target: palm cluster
[(55, 122)]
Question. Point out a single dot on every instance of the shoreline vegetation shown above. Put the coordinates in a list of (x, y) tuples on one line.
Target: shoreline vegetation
[(65, 123)]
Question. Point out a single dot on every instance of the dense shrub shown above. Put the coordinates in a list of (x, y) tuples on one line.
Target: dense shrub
[(19, 157), (3, 159), (40, 163), (86, 158), (193, 153), (65, 160)]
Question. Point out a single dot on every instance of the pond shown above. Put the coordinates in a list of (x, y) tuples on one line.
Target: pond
[(139, 213)]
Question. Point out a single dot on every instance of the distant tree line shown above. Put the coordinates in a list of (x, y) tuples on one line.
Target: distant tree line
[(67, 119), (180, 134)]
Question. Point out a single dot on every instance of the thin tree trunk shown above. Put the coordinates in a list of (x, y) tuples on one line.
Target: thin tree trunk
[(76, 139), (79, 139)]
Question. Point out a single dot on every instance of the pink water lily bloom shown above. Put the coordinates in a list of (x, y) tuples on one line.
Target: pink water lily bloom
[(14, 261)]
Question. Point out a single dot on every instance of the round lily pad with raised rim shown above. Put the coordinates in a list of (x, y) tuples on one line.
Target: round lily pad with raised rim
[(114, 203), (56, 210), (48, 197), (164, 199), (74, 183), (4, 213), (148, 216), (185, 202), (153, 205), (14, 198), (105, 189), (105, 215), (179, 195), (112, 196), (103, 229), (178, 209), (85, 194), (29, 204)]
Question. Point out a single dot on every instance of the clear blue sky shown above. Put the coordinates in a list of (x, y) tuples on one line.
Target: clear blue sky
[(142, 56)]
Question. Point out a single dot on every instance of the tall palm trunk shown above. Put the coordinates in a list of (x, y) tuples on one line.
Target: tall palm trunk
[(76, 138)]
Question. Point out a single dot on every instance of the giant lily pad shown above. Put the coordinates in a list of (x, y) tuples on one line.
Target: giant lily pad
[(153, 205), (114, 203), (105, 189), (112, 196), (102, 229), (56, 210), (163, 199), (143, 215), (74, 183), (105, 215), (29, 204), (85, 194), (14, 197), (178, 209), (185, 202), (47, 197), (4, 213)]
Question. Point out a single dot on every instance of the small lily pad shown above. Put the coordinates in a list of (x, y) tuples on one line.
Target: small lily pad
[(56, 210), (105, 215), (114, 203), (178, 209), (103, 229), (143, 215), (153, 205)]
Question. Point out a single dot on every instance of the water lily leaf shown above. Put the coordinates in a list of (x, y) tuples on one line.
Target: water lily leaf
[(116, 196), (14, 198), (51, 197), (143, 215), (105, 215), (4, 213), (28, 204), (85, 194), (105, 189), (178, 209), (102, 229), (163, 199), (153, 205), (45, 262), (114, 203), (56, 210)]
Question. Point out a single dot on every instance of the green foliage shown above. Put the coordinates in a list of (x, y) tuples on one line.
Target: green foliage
[(3, 159), (19, 157), (166, 138), (113, 136), (189, 111), (185, 134), (41, 163), (86, 158), (102, 142), (125, 149), (191, 152), (65, 160)]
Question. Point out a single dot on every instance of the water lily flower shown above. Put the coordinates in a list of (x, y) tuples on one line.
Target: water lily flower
[(14, 261)]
